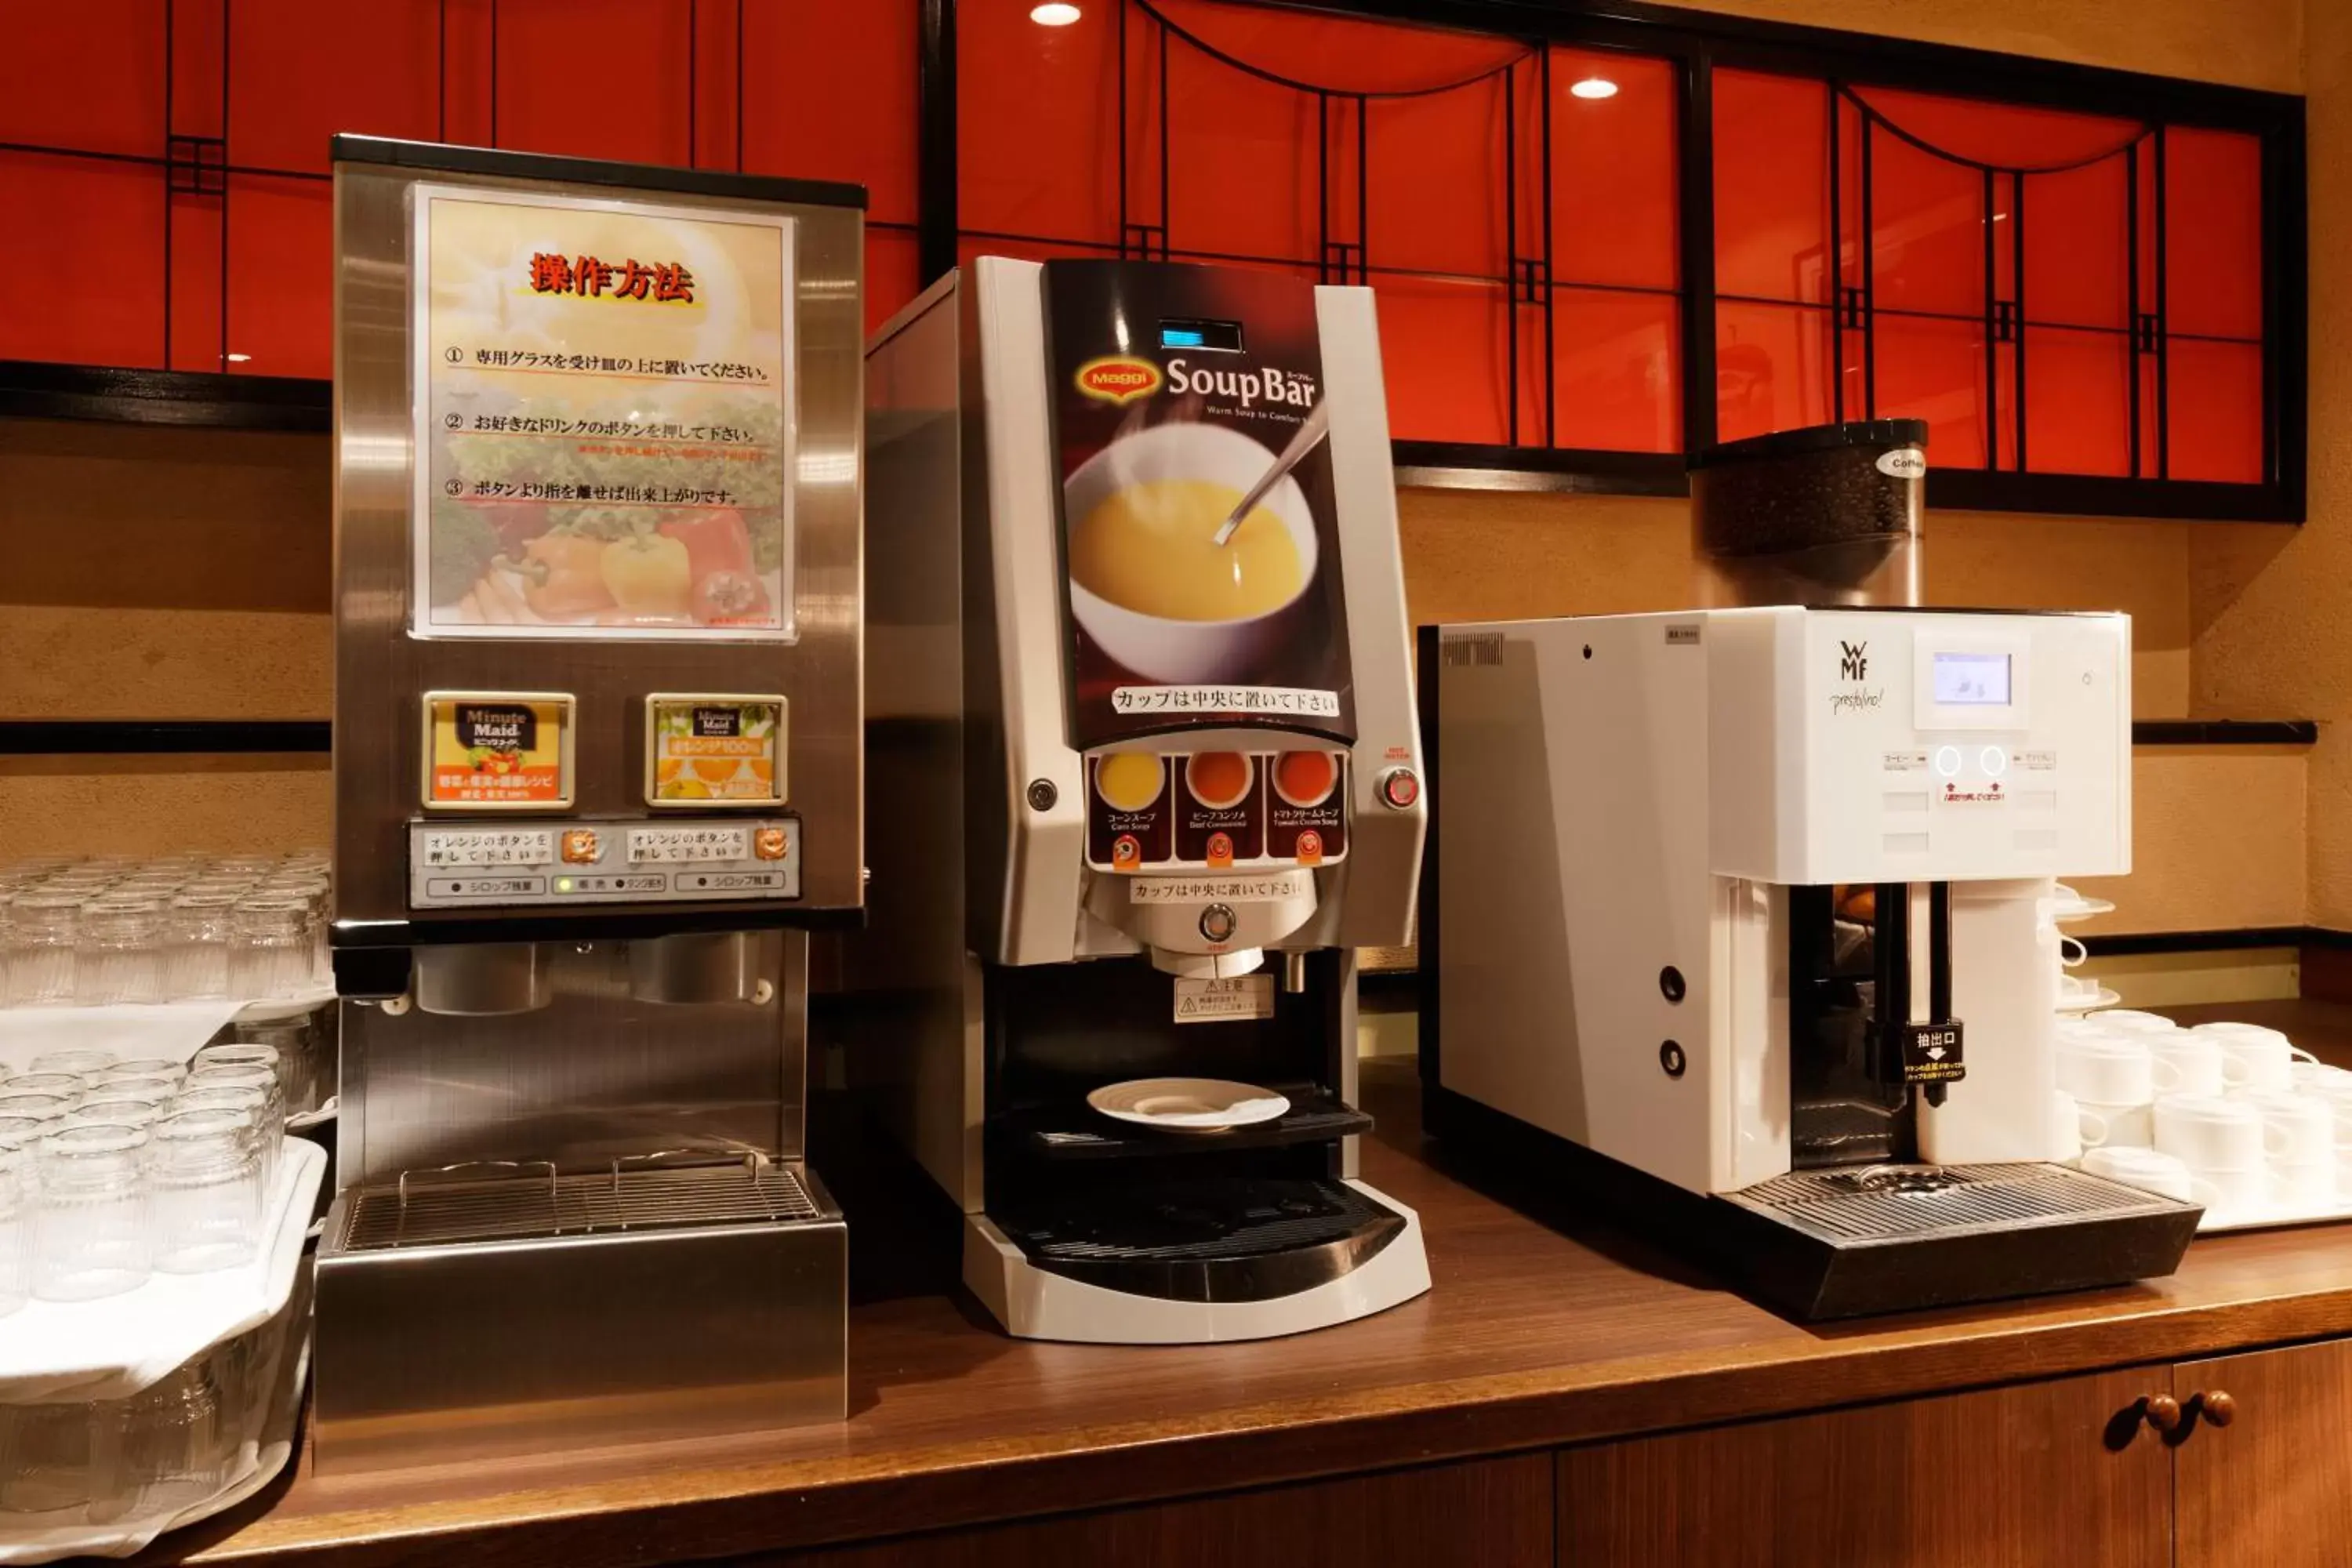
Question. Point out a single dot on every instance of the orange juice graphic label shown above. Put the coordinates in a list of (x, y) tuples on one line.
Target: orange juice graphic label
[(715, 751), (498, 753)]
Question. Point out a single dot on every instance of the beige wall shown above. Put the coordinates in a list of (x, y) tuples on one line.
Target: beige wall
[(2271, 609), (149, 573)]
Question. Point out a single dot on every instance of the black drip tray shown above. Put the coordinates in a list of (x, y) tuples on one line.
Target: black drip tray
[(1081, 1132), (1219, 1238)]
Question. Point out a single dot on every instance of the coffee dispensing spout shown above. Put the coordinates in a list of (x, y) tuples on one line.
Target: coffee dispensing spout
[(1908, 1051)]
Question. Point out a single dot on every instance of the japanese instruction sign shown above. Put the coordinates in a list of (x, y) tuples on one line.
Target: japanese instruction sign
[(604, 408)]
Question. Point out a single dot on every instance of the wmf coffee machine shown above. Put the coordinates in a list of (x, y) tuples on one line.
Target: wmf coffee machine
[(1753, 903), (597, 755), (1138, 792)]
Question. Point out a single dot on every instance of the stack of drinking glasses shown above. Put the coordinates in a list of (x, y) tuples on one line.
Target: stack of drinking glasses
[(164, 1449), (111, 1171), (176, 927)]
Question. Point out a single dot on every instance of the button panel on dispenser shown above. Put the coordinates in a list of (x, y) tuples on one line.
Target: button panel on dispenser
[(603, 863)]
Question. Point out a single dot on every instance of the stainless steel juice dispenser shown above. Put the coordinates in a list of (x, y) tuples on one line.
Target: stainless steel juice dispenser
[(597, 768), (1137, 801)]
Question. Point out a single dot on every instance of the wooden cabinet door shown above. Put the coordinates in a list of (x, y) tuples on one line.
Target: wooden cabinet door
[(2274, 1487), (2031, 1475), (1486, 1513)]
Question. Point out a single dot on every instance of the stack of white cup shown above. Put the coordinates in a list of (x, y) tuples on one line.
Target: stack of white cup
[(2229, 1114)]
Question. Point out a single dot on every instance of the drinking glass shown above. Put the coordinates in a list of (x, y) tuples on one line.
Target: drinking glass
[(121, 955), (91, 1236), (258, 1102), (36, 1107), (100, 1112), (154, 1089), (69, 1084), (252, 1055), (59, 1457), (296, 1041), (197, 941), (80, 1063), (43, 928), (142, 1066), (177, 1448), (270, 947), (203, 1190), (23, 1131), (15, 1245)]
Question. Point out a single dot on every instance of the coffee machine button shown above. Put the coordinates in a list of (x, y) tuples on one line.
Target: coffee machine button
[(1994, 761), (1218, 923), (1947, 760), (1400, 789)]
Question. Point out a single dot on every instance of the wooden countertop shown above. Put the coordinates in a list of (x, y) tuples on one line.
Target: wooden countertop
[(1535, 1334)]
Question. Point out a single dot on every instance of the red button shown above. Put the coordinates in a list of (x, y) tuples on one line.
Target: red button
[(1400, 789)]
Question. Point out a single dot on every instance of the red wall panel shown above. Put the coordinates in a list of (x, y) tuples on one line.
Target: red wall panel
[(1437, 193), (87, 75), (286, 100), (829, 94), (1037, 125), (2078, 246), (1615, 190), (1771, 187), (2078, 412), (282, 251), (2213, 234), (1617, 366), (96, 229), (595, 78)]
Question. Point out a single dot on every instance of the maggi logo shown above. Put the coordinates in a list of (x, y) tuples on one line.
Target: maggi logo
[(1119, 380)]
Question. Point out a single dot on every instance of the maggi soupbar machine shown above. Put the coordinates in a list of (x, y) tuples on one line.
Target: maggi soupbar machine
[(1145, 776), (598, 767)]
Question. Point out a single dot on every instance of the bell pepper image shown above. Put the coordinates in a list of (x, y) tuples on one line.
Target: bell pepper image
[(564, 577), (725, 579), (649, 575)]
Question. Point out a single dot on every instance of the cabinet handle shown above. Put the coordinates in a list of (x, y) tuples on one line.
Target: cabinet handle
[(2217, 1406), (2162, 1412)]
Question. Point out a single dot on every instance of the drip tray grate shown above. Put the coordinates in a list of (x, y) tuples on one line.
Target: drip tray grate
[(428, 1209), (1866, 1204)]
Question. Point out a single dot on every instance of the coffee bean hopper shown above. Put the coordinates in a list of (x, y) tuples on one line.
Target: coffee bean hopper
[(597, 759)]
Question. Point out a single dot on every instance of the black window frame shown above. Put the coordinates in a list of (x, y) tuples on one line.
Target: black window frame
[(1699, 42), (1696, 43)]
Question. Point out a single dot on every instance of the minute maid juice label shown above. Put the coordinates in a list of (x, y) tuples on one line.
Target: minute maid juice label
[(490, 751), (714, 750)]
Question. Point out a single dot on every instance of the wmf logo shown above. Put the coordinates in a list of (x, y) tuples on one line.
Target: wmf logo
[(1854, 665)]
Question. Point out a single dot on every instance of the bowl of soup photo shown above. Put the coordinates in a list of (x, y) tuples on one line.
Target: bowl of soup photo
[(1148, 580)]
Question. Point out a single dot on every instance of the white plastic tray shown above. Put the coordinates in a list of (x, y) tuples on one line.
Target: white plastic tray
[(47, 1537), (52, 1351)]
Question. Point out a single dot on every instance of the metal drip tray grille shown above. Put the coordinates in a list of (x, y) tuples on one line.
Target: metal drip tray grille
[(526, 1207), (1909, 1203)]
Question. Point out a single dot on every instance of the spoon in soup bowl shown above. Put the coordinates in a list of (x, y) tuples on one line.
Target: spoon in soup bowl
[(1311, 431)]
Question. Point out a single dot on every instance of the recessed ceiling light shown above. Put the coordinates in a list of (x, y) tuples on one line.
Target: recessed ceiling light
[(236, 359), (1058, 14), (1595, 87)]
